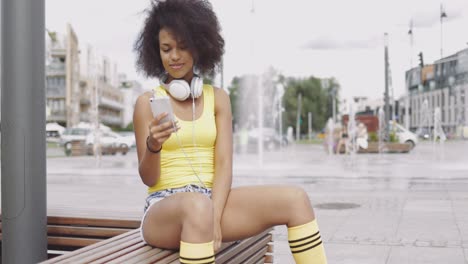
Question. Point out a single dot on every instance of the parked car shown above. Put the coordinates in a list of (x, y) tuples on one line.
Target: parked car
[(130, 136), (424, 133), (403, 134), (73, 134), (110, 142)]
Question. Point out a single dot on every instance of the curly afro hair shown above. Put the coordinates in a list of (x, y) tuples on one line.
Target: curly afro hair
[(192, 22)]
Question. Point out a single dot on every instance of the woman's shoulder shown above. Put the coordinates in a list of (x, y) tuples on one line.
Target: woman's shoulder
[(221, 99), (143, 99), (145, 96), (218, 91)]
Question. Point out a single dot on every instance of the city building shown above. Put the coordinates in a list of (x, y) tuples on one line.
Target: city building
[(130, 89), (80, 85), (62, 78), (444, 85)]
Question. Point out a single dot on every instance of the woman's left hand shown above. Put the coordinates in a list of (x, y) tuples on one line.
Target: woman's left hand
[(217, 236)]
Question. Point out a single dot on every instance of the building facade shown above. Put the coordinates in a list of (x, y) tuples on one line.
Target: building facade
[(443, 85), (62, 78), (80, 85), (130, 89)]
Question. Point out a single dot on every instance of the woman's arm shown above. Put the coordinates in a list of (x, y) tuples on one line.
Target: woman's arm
[(147, 127), (223, 153)]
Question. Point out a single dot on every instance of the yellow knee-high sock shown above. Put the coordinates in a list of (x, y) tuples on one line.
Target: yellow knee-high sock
[(306, 244), (199, 253)]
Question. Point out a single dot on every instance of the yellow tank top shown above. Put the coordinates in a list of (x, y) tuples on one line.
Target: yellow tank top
[(175, 166)]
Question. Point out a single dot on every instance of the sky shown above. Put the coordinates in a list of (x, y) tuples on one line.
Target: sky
[(299, 38)]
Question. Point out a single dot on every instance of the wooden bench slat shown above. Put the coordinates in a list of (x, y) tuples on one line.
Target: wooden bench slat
[(57, 230), (56, 220), (129, 248), (91, 248), (169, 259), (268, 258), (104, 250), (133, 254), (270, 247), (119, 253), (257, 257), (245, 254), (150, 254), (225, 255), (262, 261), (71, 241)]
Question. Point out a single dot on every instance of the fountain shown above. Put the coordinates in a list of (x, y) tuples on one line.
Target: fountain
[(330, 141), (438, 130), (382, 128), (351, 143), (425, 120), (460, 112)]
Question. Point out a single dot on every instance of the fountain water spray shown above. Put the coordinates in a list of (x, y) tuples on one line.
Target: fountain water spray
[(425, 121), (351, 143), (330, 136), (382, 128), (438, 130)]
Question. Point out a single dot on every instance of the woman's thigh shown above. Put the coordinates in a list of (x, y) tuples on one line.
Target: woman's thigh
[(162, 226), (252, 209)]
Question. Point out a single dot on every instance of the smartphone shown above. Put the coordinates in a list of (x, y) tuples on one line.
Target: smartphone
[(160, 105)]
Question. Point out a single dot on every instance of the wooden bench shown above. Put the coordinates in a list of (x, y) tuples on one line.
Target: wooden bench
[(92, 240), (129, 248), (65, 234)]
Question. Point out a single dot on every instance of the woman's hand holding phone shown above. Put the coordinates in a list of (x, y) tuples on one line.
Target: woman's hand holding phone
[(163, 124)]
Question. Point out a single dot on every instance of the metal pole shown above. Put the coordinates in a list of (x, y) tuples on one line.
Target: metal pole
[(386, 95), (298, 124), (309, 119), (334, 105), (260, 121), (23, 147), (407, 97), (441, 32), (281, 121)]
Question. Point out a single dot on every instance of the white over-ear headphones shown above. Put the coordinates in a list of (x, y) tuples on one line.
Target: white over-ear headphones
[(180, 89)]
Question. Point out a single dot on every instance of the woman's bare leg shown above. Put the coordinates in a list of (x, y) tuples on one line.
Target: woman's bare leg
[(250, 210), (184, 217)]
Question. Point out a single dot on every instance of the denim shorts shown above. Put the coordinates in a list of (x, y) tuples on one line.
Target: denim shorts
[(159, 195)]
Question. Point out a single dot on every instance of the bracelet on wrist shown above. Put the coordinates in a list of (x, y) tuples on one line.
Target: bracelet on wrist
[(150, 149)]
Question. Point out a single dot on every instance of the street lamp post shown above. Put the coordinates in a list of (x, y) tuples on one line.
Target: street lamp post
[(23, 148), (280, 93), (386, 94)]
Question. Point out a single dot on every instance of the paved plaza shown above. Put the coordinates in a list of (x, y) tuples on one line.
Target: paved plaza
[(372, 208)]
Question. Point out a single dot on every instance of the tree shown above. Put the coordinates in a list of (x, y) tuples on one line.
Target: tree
[(234, 94), (315, 99), (332, 88)]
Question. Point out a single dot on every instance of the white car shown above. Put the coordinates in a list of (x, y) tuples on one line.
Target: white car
[(73, 134), (110, 142), (129, 137), (403, 134)]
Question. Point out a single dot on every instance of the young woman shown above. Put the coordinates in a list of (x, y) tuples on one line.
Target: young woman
[(187, 164)]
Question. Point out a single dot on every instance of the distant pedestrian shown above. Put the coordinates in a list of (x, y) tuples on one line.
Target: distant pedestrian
[(343, 141), (187, 164)]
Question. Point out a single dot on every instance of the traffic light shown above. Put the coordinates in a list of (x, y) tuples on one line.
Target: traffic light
[(421, 59)]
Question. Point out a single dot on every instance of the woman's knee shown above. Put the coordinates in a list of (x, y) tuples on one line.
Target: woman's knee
[(298, 197), (197, 211)]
